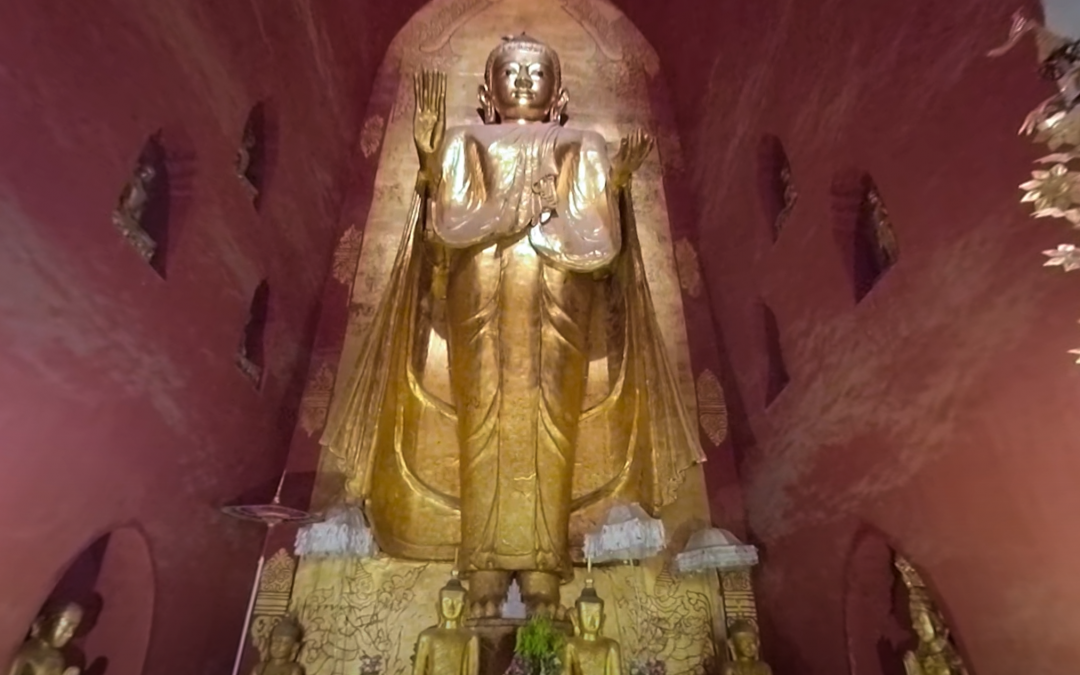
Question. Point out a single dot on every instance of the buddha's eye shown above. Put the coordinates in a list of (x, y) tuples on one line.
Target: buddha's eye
[(509, 72)]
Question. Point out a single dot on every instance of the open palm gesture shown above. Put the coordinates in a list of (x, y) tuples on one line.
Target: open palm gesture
[(632, 152), (429, 118)]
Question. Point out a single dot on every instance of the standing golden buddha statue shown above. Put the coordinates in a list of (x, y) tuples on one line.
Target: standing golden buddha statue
[(588, 652), (521, 252), (41, 653), (448, 648)]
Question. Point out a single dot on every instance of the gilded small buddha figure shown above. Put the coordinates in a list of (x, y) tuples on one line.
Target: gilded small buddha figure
[(588, 652), (285, 643), (448, 648), (41, 654), (745, 649), (935, 654)]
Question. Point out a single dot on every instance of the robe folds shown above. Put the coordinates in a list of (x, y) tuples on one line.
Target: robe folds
[(524, 263)]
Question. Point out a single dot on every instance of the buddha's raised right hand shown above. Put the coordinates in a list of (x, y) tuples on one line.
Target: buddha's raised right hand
[(429, 120)]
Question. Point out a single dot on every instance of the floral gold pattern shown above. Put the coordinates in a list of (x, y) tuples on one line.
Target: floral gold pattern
[(371, 135), (712, 411), (316, 400), (686, 261), (346, 254), (738, 595)]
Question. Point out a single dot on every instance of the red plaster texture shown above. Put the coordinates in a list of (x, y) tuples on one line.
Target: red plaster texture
[(940, 409), (119, 398)]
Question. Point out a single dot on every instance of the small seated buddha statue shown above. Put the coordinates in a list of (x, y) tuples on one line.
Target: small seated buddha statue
[(41, 653), (285, 643), (588, 652), (745, 649), (448, 648), (935, 653)]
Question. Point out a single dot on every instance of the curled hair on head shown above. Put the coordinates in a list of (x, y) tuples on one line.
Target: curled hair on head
[(522, 43), (289, 627)]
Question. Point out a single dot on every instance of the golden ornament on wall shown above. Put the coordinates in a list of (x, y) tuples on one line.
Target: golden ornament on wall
[(712, 410), (371, 135), (316, 400), (686, 262), (346, 254)]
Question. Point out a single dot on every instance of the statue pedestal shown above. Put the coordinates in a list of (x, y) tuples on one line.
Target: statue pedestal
[(497, 638)]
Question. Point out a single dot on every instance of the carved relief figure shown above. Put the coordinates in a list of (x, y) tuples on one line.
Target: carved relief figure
[(448, 648), (521, 250), (588, 652), (42, 654), (284, 647), (744, 647), (129, 212)]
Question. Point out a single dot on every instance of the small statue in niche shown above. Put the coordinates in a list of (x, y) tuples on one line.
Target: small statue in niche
[(249, 368), (744, 647), (886, 249), (935, 653), (249, 153), (448, 648), (282, 650), (41, 653), (588, 652), (129, 212), (790, 195)]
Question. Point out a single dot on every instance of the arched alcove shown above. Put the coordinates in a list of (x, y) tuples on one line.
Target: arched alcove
[(873, 608), (112, 578)]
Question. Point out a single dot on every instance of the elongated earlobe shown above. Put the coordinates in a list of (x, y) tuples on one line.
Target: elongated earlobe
[(558, 109), (487, 108)]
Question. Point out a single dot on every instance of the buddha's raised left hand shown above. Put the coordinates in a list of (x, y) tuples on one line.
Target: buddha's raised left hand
[(632, 152)]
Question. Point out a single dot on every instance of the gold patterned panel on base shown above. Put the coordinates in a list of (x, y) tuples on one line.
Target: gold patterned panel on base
[(738, 593), (273, 597), (363, 616)]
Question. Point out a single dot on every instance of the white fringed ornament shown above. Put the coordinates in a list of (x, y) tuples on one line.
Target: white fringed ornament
[(715, 549), (628, 533), (343, 533)]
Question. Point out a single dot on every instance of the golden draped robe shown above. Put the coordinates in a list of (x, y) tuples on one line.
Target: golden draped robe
[(526, 262)]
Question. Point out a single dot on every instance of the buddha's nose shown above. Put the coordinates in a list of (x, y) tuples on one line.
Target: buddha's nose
[(523, 81)]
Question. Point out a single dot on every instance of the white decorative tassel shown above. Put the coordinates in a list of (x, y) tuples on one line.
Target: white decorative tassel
[(342, 533), (628, 533), (715, 549)]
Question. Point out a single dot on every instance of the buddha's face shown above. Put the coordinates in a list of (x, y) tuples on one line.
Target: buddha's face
[(590, 617), (451, 605), (745, 645), (282, 646), (523, 86), (924, 627), (64, 627)]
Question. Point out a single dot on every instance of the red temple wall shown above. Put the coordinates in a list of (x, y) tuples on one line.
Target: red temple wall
[(939, 410), (120, 403)]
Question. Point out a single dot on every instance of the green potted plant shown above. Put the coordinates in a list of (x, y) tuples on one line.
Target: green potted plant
[(537, 649)]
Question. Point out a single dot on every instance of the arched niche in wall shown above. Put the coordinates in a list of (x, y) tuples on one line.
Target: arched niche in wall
[(154, 197), (256, 152), (874, 610), (864, 230), (776, 184), (113, 580)]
